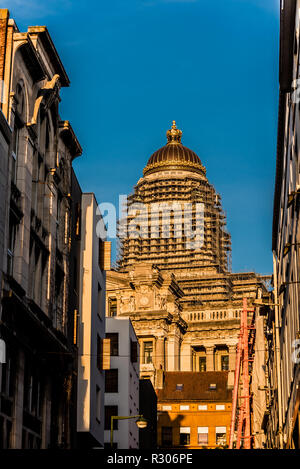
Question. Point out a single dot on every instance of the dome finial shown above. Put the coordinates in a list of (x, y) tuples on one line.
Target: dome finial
[(174, 134)]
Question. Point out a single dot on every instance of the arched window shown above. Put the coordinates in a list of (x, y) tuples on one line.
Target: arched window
[(20, 98), (19, 123)]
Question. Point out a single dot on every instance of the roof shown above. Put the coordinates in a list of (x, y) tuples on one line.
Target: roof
[(68, 135), (196, 386), (42, 33), (174, 154)]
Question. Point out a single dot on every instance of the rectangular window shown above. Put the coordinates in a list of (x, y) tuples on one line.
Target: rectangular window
[(112, 307), (111, 380), (104, 254), (202, 407), (202, 436), (220, 407), (110, 410), (166, 407), (184, 407), (148, 351), (98, 403), (184, 439), (220, 436), (225, 362), (133, 351), (166, 436), (105, 354), (32, 390), (114, 343), (202, 364)]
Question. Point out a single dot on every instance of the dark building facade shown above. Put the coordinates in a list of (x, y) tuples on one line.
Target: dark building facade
[(148, 408), (194, 410), (282, 418), (36, 323)]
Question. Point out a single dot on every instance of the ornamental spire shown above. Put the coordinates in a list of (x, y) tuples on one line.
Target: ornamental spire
[(174, 135)]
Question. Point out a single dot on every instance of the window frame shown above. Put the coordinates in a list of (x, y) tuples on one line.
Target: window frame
[(112, 381), (107, 416), (202, 433), (166, 442), (114, 343)]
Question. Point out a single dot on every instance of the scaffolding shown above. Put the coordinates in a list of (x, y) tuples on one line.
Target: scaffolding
[(241, 397), (172, 249)]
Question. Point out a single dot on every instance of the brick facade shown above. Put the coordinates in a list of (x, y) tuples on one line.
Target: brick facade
[(4, 15)]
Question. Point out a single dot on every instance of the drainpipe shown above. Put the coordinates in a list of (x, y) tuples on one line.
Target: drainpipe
[(277, 353)]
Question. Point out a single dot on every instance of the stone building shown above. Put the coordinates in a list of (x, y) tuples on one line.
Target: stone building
[(282, 419), (194, 410), (174, 277), (5, 140), (36, 380)]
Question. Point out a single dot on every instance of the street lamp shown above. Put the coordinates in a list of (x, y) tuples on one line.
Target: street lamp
[(141, 423)]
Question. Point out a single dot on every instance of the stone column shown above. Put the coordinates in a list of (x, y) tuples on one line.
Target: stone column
[(173, 353), (186, 357), (19, 404), (160, 353), (141, 352), (194, 361), (232, 357), (210, 365)]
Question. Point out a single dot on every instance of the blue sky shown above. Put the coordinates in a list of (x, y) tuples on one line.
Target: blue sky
[(135, 65)]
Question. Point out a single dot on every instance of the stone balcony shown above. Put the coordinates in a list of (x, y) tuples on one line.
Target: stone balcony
[(147, 368), (206, 316)]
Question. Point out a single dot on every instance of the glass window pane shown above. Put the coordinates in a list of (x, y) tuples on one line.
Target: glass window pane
[(148, 351)]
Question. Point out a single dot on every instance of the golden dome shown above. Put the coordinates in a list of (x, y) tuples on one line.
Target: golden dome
[(174, 155)]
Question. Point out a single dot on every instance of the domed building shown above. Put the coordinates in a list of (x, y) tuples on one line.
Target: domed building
[(174, 275)]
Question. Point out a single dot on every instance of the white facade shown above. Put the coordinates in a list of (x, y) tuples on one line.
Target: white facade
[(91, 329), (127, 397)]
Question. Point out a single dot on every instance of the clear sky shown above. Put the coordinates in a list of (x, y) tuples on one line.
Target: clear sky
[(135, 65)]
